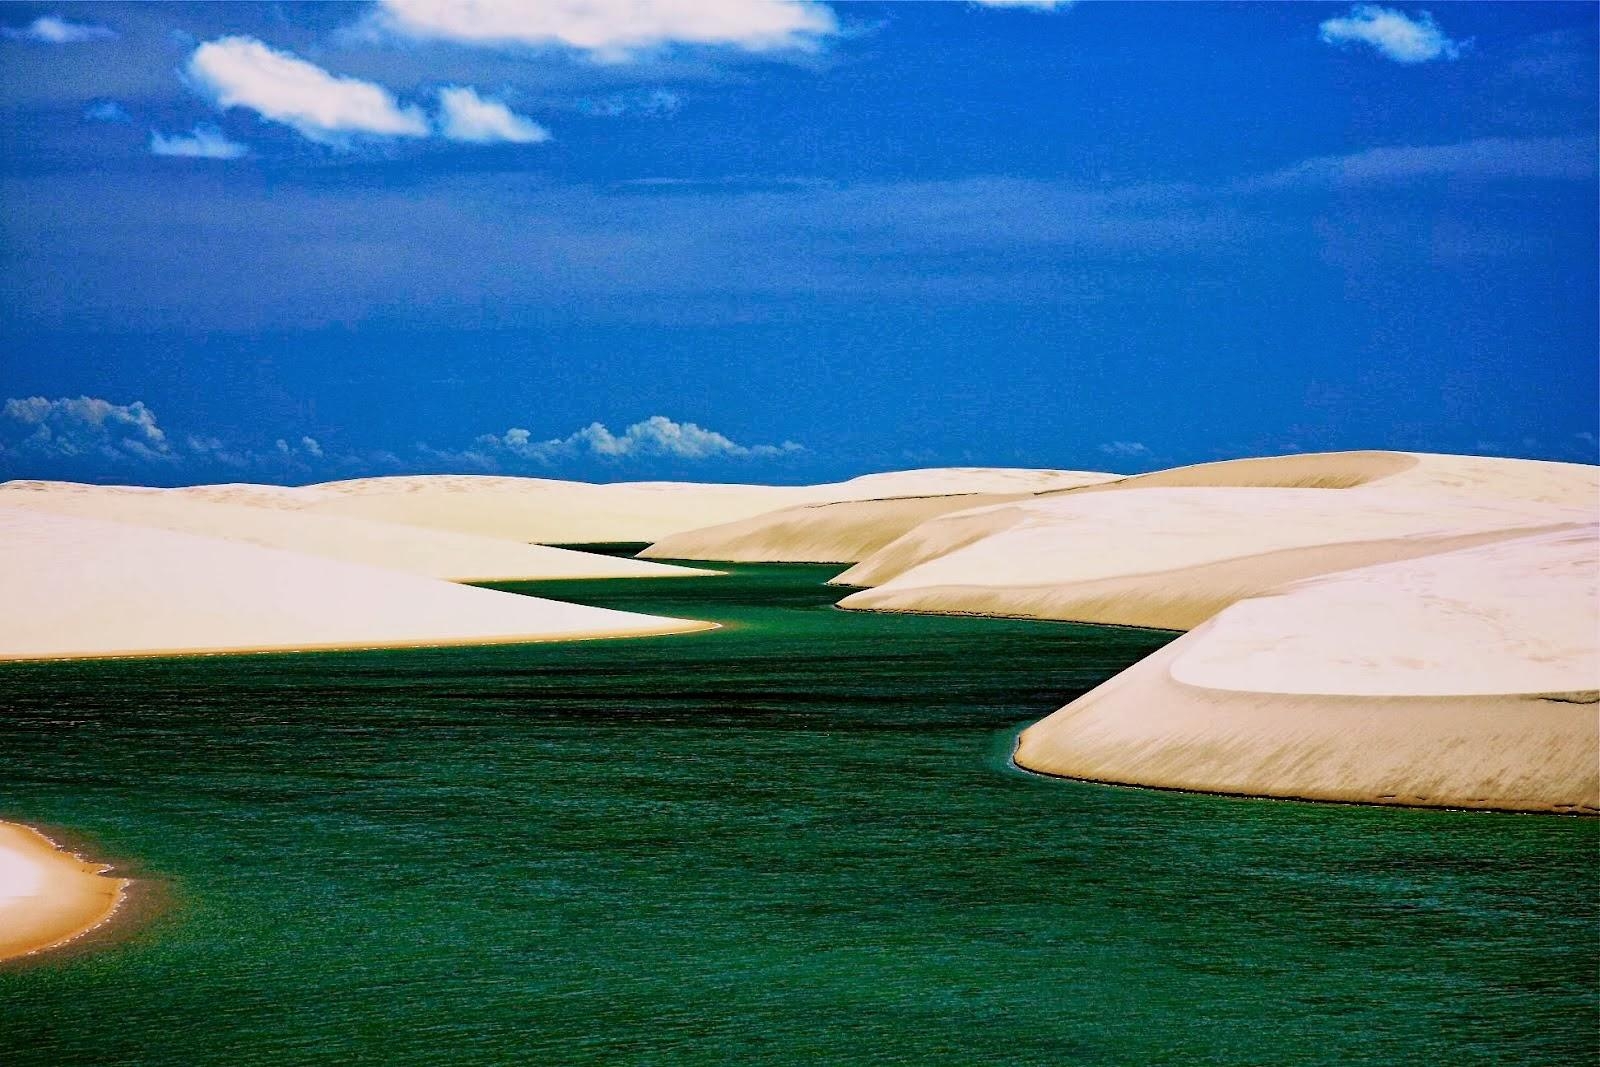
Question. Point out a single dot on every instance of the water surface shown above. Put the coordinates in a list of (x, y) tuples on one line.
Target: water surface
[(793, 840)]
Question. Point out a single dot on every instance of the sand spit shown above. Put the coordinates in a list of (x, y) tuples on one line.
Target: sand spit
[(233, 514), (78, 587), (1466, 679), (556, 512), (49, 896), (1170, 558)]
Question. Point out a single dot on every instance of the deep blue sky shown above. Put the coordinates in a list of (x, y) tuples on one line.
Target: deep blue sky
[(1102, 236)]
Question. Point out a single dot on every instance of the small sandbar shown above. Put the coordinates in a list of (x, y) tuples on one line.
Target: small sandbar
[(49, 896)]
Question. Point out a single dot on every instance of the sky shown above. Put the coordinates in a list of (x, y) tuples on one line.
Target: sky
[(789, 241)]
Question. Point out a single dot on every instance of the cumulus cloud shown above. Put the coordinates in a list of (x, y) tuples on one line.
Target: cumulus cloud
[(1126, 449), (611, 30), (466, 116), (84, 427), (656, 437), (280, 87), (206, 142), (1393, 34), (53, 29)]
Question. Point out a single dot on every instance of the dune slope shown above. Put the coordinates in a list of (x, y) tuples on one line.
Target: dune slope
[(556, 512), (1462, 679), (79, 587), (417, 550), (1169, 558)]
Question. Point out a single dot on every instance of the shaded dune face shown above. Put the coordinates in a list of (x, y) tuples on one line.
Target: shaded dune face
[(839, 532), (1459, 679)]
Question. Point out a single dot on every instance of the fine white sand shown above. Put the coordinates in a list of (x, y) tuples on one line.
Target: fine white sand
[(1463, 679), (78, 587), (845, 531), (557, 512), (257, 515), (1172, 558), (1534, 481), (48, 896), (1381, 481)]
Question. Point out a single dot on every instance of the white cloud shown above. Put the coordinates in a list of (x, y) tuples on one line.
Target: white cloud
[(655, 437), (611, 30), (1125, 449), (206, 142), (466, 116), (1392, 33), (53, 29), (243, 72), (85, 427)]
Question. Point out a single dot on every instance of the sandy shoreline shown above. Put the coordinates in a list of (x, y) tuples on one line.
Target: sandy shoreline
[(49, 896)]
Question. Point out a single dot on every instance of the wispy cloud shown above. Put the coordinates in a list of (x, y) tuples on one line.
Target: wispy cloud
[(466, 116), (1393, 34), (1036, 5), (1126, 449), (609, 30), (205, 142), (53, 29), (106, 111), (1560, 158), (280, 87)]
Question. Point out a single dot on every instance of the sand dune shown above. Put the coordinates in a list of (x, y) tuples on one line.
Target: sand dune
[(48, 896), (555, 512), (1380, 481), (79, 587), (1463, 679), (1534, 481), (1170, 558), (227, 513)]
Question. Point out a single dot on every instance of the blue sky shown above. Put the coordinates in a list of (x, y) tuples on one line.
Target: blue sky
[(789, 241)]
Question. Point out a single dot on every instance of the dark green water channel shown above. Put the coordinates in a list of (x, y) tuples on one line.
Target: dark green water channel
[(794, 840)]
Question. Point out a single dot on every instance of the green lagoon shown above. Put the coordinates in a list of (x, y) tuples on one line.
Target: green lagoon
[(797, 839)]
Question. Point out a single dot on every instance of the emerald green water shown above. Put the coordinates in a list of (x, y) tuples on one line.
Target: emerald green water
[(793, 840)]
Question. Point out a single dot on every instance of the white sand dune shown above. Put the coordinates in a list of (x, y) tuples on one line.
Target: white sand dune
[(80, 587), (227, 512), (1512, 483), (841, 531), (1534, 481), (557, 512), (48, 896), (1170, 558), (1463, 679)]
